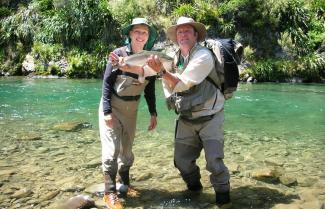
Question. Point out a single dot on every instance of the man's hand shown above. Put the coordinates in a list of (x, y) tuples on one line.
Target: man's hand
[(154, 63), (153, 123), (109, 120)]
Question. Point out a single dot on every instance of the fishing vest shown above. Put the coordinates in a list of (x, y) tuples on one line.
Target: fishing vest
[(127, 86), (197, 98)]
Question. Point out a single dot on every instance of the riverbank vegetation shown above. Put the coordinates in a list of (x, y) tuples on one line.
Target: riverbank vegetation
[(283, 39)]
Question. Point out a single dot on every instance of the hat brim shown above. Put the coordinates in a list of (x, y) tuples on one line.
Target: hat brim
[(152, 34), (199, 27)]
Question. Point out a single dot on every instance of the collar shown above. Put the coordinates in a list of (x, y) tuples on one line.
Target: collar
[(190, 52), (128, 49)]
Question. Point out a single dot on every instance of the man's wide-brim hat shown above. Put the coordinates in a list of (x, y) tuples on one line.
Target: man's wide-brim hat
[(142, 21), (199, 28)]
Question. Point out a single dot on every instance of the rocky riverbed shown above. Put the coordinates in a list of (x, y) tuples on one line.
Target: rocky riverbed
[(45, 166)]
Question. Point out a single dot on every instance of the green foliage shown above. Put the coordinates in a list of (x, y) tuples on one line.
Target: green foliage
[(86, 21), (4, 12), (248, 54), (45, 56), (52, 29), (166, 7), (295, 19), (202, 12), (317, 7), (285, 36), (81, 65), (19, 27), (47, 52), (311, 67), (78, 23), (253, 20), (267, 70), (125, 10), (44, 6), (185, 10), (14, 55)]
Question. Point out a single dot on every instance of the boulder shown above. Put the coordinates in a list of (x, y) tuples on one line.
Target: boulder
[(28, 65), (288, 180), (79, 201), (269, 175)]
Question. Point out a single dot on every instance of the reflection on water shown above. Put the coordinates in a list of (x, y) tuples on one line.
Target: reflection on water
[(270, 128)]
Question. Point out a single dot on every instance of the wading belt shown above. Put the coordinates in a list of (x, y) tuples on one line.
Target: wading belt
[(127, 98)]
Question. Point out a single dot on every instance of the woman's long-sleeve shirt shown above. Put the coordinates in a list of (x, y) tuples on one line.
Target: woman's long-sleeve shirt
[(109, 81)]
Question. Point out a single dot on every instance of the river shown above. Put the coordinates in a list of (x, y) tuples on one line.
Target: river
[(274, 147)]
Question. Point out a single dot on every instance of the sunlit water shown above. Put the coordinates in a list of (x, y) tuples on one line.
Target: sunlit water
[(277, 123)]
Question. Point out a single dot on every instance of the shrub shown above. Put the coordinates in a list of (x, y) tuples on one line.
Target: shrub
[(4, 12), (81, 65), (45, 55), (201, 11), (267, 70), (311, 67)]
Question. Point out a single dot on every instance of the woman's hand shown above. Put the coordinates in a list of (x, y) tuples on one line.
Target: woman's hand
[(154, 63), (120, 64), (109, 120), (117, 61), (153, 123), (113, 58)]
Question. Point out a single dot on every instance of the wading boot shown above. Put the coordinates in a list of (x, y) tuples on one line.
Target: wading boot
[(223, 200), (125, 189), (111, 201), (195, 187)]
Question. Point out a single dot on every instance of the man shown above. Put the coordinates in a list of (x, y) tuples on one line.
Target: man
[(118, 110), (200, 106)]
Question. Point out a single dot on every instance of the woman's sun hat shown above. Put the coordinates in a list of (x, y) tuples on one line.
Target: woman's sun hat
[(152, 31)]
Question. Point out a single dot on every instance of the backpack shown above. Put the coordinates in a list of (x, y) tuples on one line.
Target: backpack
[(228, 54)]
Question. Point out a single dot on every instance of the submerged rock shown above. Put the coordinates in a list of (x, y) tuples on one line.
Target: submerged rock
[(288, 180), (78, 202), (144, 176), (50, 195), (29, 137), (71, 126), (95, 188), (93, 164), (22, 193), (269, 175), (7, 173)]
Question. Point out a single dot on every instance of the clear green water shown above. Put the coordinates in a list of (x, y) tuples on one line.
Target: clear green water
[(282, 110), (279, 123)]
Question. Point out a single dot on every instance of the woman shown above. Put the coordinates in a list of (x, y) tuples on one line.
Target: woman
[(118, 109)]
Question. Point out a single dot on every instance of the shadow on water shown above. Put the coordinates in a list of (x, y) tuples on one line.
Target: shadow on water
[(246, 197)]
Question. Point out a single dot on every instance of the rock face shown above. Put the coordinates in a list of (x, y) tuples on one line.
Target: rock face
[(28, 65)]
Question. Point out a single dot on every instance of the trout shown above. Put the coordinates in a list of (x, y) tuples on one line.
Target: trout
[(140, 59)]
